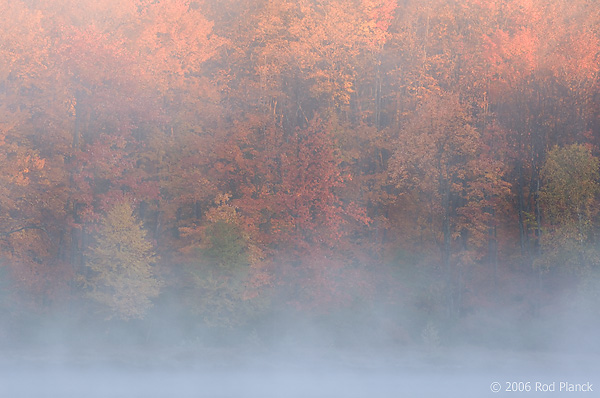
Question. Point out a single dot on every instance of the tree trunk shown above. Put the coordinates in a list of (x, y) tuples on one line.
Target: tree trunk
[(446, 245), (521, 212)]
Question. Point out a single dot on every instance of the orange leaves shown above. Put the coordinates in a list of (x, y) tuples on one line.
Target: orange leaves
[(519, 51), (440, 158), (316, 43), (174, 40), (284, 186), (23, 52), (379, 16), (572, 50), (24, 203), (428, 108), (18, 165), (536, 38)]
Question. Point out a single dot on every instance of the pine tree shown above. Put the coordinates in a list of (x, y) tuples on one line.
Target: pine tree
[(121, 263)]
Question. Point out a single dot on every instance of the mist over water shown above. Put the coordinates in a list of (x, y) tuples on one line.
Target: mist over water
[(299, 198), (468, 376), (297, 358)]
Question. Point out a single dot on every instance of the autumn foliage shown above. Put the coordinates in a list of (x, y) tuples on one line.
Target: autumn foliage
[(317, 155)]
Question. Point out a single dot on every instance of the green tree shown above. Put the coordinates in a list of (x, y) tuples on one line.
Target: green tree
[(228, 248), (570, 187), (122, 276), (568, 200), (220, 277)]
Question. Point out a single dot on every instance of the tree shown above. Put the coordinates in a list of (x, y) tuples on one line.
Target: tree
[(223, 270), (570, 186), (121, 274), (440, 161), (220, 276), (568, 200)]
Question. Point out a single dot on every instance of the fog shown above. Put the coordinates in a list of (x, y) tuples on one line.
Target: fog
[(295, 357), (458, 374), (299, 198)]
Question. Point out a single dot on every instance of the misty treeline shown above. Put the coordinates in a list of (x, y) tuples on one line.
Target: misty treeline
[(428, 164)]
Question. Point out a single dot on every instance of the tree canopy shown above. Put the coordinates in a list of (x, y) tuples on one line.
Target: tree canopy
[(311, 154)]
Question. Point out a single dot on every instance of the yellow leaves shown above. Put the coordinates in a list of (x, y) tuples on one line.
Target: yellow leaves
[(224, 210), (121, 259), (222, 199), (333, 84)]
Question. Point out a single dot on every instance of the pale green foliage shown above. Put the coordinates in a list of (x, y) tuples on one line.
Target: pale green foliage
[(123, 278), (568, 200), (570, 186), (220, 278), (219, 295), (228, 248)]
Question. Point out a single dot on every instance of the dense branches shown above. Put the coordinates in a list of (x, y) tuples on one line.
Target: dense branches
[(333, 135)]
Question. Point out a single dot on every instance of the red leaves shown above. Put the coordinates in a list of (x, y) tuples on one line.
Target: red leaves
[(309, 177), (170, 104), (288, 182), (380, 14), (105, 171), (285, 193)]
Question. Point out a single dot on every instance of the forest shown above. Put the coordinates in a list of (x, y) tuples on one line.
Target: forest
[(406, 172)]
